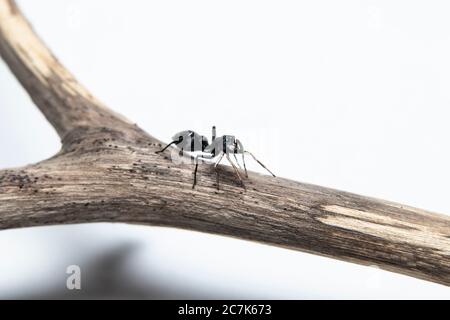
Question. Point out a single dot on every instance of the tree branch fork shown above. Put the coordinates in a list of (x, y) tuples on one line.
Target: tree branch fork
[(108, 171)]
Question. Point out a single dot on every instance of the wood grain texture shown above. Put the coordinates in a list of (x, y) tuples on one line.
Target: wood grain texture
[(107, 170), (65, 102)]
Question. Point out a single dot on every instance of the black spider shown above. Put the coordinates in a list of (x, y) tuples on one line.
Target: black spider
[(190, 141)]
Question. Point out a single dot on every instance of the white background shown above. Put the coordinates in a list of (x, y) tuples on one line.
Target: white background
[(352, 95)]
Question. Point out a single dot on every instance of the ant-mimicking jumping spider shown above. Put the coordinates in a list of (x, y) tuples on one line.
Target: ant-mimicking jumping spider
[(191, 141)]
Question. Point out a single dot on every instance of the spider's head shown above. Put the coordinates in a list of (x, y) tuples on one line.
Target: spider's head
[(230, 144)]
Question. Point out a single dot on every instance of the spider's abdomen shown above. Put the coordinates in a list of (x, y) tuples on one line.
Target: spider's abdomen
[(190, 141)]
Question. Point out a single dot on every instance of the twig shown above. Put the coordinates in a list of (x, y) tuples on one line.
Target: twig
[(107, 170)]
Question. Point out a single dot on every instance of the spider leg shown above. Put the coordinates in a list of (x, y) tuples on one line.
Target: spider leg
[(236, 170), (259, 162), (217, 175), (164, 149), (217, 170), (245, 168), (196, 166), (195, 172), (220, 159), (237, 162)]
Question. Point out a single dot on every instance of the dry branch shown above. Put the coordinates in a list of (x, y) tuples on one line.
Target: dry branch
[(107, 170)]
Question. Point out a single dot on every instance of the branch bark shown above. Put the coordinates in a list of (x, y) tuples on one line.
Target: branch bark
[(107, 170)]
